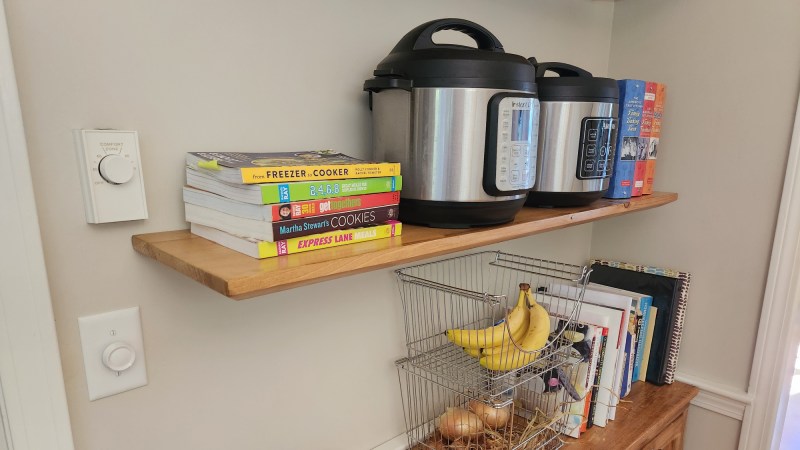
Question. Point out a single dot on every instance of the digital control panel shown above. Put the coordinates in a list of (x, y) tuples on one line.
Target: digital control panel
[(517, 134), (596, 153)]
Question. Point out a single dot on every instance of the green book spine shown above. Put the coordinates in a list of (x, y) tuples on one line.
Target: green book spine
[(312, 190)]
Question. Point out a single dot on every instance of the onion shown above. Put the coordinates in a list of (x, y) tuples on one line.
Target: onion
[(457, 423), (492, 417)]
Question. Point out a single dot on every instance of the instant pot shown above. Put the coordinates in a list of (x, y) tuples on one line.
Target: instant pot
[(577, 135), (462, 121)]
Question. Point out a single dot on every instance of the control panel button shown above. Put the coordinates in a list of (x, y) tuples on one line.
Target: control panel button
[(516, 124), (599, 135)]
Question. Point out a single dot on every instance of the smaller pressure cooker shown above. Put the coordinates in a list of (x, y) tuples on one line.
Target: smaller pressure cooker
[(462, 122), (577, 135)]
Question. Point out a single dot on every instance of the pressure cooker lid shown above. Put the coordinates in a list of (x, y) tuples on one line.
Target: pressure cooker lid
[(418, 61), (573, 84)]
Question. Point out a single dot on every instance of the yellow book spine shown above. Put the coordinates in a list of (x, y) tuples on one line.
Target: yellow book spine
[(328, 239), (252, 175)]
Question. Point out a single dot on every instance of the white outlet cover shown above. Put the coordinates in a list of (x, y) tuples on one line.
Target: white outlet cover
[(114, 328)]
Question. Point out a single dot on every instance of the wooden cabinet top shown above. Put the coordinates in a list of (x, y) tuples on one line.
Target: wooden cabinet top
[(641, 416)]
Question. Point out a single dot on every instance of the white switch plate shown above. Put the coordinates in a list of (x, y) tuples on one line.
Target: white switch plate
[(106, 201), (97, 333)]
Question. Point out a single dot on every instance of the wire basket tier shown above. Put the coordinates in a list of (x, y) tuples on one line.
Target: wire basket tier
[(480, 291), (437, 413)]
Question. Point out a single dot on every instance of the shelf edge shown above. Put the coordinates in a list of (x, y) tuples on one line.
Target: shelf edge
[(251, 285)]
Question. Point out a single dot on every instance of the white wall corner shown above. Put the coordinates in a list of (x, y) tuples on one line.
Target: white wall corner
[(34, 405), (778, 333)]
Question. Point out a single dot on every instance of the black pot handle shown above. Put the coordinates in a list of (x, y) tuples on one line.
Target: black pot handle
[(421, 37), (562, 69), (380, 83)]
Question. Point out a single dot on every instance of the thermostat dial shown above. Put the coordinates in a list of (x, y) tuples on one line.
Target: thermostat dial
[(116, 169)]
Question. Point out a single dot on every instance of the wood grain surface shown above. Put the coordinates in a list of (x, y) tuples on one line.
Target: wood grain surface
[(651, 417), (239, 276)]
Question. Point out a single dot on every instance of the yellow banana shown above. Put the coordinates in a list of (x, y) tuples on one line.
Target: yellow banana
[(474, 352), (503, 345), (536, 338), (495, 335)]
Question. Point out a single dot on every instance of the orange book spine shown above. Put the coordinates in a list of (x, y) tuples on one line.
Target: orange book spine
[(655, 136)]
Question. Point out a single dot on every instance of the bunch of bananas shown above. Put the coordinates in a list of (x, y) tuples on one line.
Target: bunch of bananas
[(513, 343)]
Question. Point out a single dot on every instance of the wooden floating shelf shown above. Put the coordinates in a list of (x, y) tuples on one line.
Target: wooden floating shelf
[(239, 276)]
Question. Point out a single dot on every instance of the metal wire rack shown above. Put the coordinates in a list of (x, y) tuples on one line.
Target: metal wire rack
[(531, 419), (478, 291)]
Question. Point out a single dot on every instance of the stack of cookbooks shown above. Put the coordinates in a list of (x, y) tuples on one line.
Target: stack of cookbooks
[(272, 204), (641, 111)]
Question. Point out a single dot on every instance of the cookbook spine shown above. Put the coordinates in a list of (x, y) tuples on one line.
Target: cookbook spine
[(655, 137), (329, 239), (313, 208), (280, 174), (312, 225), (314, 190), (631, 95), (644, 138)]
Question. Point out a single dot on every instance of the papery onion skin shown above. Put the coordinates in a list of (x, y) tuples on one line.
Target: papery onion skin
[(459, 423), (491, 417)]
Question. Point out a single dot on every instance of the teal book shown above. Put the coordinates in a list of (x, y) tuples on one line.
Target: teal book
[(293, 191), (645, 302)]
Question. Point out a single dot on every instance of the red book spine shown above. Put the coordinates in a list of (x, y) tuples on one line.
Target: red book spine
[(644, 138), (312, 208)]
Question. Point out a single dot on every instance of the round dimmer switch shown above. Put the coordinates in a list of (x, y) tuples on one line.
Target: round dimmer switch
[(119, 356)]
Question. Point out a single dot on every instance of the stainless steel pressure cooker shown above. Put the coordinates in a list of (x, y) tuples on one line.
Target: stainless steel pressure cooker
[(577, 135), (462, 121)]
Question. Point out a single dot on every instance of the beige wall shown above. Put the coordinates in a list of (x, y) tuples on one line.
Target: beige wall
[(706, 430), (307, 368), (733, 71)]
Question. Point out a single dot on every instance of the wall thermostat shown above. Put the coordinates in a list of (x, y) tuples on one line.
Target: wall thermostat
[(111, 175)]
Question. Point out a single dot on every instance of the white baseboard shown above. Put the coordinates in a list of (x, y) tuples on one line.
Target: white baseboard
[(717, 398), (397, 443)]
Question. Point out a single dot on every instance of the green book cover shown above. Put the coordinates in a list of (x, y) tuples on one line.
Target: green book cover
[(311, 190)]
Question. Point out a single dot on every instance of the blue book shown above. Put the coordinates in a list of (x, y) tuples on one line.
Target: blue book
[(645, 302), (631, 100), (627, 371)]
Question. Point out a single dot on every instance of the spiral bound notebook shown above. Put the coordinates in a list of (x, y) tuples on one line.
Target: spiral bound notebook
[(670, 292)]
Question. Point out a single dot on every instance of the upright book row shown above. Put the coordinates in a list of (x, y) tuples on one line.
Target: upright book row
[(271, 204), (641, 109), (625, 336)]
